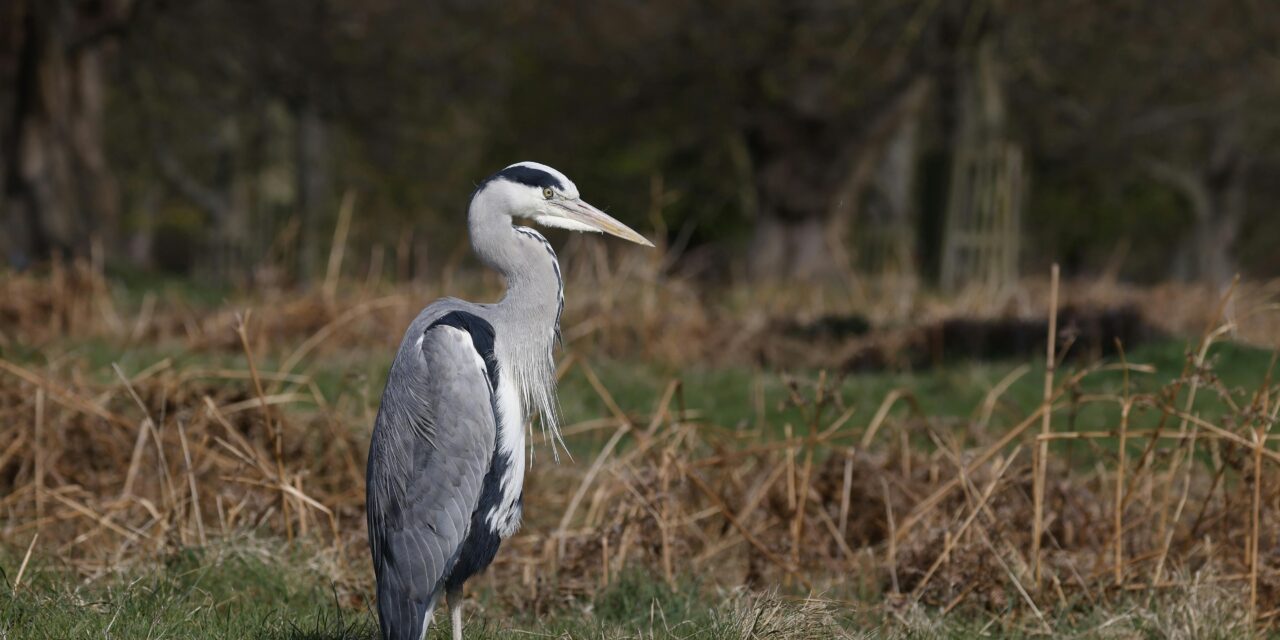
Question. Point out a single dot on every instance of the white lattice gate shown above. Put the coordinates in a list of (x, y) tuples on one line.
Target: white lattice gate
[(983, 234)]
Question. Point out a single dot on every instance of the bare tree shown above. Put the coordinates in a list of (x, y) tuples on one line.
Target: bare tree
[(1214, 190), (831, 92), (1176, 93), (58, 188)]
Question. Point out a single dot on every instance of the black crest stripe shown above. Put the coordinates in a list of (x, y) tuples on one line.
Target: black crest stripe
[(525, 175)]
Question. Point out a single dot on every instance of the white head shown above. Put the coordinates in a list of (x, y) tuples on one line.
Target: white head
[(548, 198)]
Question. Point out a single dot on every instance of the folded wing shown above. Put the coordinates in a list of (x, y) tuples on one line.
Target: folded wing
[(432, 445)]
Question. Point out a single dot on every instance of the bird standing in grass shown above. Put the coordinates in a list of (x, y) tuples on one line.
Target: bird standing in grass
[(447, 459)]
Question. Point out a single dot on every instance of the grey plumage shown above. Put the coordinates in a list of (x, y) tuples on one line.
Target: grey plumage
[(446, 462), (421, 520)]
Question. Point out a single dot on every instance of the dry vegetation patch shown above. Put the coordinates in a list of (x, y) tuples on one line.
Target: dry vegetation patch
[(1176, 492)]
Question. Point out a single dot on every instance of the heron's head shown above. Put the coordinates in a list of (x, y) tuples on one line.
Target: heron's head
[(548, 198)]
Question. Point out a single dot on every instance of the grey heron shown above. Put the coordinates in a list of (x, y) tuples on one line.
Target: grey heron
[(447, 458)]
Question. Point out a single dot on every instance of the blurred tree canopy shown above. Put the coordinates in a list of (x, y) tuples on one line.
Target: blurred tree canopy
[(221, 134)]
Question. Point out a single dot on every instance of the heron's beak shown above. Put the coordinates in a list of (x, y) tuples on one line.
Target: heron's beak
[(597, 220)]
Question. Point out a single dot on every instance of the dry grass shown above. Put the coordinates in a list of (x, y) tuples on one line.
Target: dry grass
[(110, 468)]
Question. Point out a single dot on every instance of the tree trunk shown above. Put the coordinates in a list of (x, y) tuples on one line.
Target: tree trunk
[(886, 230), (312, 174), (58, 189), (793, 249), (1216, 196), (1217, 229), (1212, 245), (810, 180)]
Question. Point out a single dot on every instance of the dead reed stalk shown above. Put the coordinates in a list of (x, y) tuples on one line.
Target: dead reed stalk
[(112, 469)]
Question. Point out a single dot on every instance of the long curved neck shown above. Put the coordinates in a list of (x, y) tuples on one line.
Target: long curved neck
[(526, 261), (527, 319)]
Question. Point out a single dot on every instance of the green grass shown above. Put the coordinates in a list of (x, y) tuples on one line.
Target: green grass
[(727, 396), (213, 594), (255, 591)]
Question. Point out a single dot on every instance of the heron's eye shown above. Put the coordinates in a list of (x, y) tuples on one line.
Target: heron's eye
[(547, 193)]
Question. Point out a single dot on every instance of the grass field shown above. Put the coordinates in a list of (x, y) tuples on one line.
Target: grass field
[(147, 492), (255, 589)]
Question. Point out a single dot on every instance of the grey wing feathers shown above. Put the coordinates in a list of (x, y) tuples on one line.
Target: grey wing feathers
[(432, 445)]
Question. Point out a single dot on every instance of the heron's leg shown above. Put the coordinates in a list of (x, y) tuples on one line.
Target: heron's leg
[(455, 613)]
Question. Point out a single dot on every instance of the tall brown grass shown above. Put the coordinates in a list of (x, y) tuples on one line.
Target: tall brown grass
[(103, 468)]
